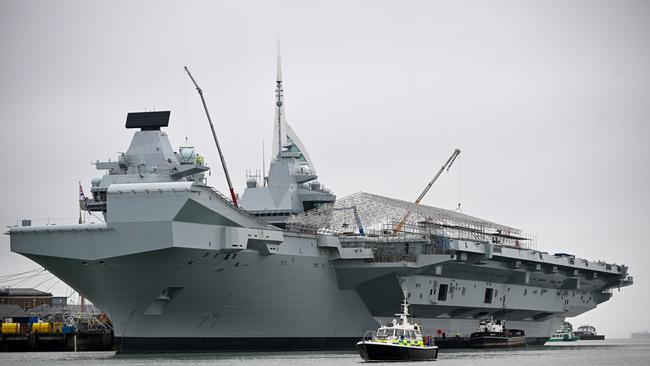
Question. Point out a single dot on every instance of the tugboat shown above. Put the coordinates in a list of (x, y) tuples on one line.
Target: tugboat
[(397, 341), (564, 334), (493, 334), (588, 333)]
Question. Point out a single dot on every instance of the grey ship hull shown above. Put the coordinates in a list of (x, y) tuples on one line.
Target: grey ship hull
[(254, 303), (172, 279)]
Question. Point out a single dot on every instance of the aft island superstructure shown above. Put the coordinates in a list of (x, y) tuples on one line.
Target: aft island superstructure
[(178, 267)]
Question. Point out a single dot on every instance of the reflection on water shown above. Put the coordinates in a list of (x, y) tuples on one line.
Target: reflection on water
[(609, 352)]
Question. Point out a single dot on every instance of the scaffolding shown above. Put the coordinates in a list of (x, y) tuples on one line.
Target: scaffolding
[(381, 216)]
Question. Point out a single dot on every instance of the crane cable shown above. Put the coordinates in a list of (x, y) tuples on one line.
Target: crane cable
[(458, 174)]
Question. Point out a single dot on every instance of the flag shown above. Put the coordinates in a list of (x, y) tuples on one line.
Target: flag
[(82, 196)]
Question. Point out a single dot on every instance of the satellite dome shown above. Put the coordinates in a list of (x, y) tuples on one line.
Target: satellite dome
[(187, 154)]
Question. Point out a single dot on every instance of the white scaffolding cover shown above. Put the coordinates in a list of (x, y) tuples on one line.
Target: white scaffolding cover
[(377, 213)]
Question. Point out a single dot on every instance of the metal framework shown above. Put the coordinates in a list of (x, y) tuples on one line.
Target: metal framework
[(381, 216)]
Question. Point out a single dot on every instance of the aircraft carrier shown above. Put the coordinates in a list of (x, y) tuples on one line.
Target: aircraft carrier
[(179, 267)]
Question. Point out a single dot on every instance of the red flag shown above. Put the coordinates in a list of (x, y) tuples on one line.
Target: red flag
[(82, 196)]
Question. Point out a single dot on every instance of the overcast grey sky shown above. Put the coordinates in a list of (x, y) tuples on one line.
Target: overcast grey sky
[(549, 101)]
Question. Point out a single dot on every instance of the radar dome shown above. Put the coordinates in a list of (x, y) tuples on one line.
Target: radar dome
[(95, 181), (187, 154)]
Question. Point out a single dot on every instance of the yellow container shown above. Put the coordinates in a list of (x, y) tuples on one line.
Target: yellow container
[(57, 327), (10, 328), (41, 328)]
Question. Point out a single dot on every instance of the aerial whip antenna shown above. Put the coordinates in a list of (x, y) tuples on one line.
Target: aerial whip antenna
[(278, 102), (216, 141)]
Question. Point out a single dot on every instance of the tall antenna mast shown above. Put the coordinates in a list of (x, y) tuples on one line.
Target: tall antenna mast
[(216, 141), (278, 102)]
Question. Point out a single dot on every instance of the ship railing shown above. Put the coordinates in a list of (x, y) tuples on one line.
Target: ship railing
[(395, 257), (222, 196), (45, 221), (396, 250), (321, 189), (468, 231), (304, 229)]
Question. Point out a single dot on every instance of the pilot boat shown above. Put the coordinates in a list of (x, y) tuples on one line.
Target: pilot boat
[(397, 341), (564, 334), (493, 333)]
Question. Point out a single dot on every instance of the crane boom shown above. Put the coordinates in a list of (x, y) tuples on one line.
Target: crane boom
[(447, 165), (216, 141)]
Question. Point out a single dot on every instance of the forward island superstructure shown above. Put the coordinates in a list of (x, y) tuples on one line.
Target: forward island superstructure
[(178, 267)]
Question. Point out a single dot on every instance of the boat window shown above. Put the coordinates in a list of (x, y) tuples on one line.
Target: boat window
[(442, 292), (488, 295), (411, 334)]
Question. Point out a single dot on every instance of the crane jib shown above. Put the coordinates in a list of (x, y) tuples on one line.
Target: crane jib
[(216, 141), (447, 165)]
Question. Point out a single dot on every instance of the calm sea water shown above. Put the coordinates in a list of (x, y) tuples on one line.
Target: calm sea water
[(609, 352)]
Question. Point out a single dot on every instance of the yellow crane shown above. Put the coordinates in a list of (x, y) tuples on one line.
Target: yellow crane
[(447, 165)]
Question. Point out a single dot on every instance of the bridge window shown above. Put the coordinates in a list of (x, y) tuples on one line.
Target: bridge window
[(488, 295), (442, 292)]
